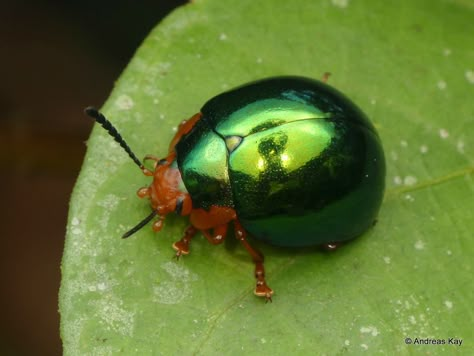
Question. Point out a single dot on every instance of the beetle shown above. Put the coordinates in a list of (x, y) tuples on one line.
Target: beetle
[(288, 160)]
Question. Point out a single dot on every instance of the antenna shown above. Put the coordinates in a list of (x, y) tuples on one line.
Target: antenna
[(140, 225), (107, 125)]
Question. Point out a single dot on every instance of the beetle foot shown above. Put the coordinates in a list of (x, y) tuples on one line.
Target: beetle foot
[(262, 290), (332, 246), (182, 246), (326, 77)]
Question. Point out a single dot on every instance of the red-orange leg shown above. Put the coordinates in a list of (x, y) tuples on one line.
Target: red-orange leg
[(183, 129), (261, 290), (326, 77), (182, 246)]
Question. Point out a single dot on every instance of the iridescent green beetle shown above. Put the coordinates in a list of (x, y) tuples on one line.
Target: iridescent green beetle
[(289, 160)]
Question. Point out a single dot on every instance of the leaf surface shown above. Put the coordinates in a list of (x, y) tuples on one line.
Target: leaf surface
[(410, 66)]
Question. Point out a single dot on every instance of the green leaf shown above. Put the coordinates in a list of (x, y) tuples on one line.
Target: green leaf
[(410, 66)]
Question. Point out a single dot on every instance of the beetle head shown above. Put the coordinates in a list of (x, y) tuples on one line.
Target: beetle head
[(166, 192)]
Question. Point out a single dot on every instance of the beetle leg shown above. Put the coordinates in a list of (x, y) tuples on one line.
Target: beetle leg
[(182, 246), (151, 158), (218, 234), (183, 129), (261, 289), (326, 77), (158, 224)]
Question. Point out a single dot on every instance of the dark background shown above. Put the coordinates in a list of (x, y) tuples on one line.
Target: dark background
[(55, 59)]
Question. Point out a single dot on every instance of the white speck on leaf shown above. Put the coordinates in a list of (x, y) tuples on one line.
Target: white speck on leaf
[(369, 330), (124, 102), (424, 149), (441, 85), (397, 180), (449, 252), (409, 198), (410, 180), (420, 245), (177, 287), (109, 203), (364, 346), (469, 76), (460, 146), (114, 315), (403, 143), (411, 322), (443, 133), (387, 260), (340, 3), (223, 37), (449, 304), (446, 52)]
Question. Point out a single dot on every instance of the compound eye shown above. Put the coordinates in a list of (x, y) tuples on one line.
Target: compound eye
[(179, 205)]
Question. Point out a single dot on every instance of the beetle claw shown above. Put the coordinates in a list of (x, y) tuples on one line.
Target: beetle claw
[(177, 255), (181, 248), (262, 290)]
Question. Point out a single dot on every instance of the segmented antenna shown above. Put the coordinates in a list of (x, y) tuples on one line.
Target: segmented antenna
[(140, 225), (107, 125)]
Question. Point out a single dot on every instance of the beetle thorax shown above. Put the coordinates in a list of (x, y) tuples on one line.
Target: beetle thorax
[(167, 192)]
